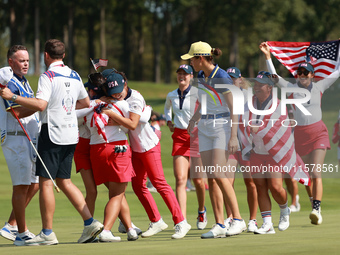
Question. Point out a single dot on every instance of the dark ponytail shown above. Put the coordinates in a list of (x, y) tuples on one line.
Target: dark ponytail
[(216, 51)]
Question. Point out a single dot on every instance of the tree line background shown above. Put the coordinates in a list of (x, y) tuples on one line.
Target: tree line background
[(145, 38)]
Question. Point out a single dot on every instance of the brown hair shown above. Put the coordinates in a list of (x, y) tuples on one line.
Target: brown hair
[(122, 74), (245, 84), (214, 52), (55, 48), (14, 49)]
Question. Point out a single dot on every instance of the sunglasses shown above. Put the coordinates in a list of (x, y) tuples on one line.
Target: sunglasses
[(305, 72)]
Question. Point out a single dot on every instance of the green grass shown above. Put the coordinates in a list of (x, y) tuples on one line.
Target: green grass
[(300, 238)]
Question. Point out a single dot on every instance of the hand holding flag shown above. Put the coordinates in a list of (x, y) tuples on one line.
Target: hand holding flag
[(98, 63), (324, 56)]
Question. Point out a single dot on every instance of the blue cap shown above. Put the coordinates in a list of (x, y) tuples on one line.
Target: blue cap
[(114, 82), (234, 72), (186, 68), (307, 66), (264, 78)]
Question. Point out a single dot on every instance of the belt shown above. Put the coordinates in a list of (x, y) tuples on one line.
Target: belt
[(16, 133), (215, 116)]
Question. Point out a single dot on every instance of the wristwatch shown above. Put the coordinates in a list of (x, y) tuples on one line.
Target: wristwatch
[(14, 97)]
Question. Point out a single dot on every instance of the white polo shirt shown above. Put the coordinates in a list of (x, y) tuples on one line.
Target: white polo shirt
[(182, 108), (143, 138), (61, 87)]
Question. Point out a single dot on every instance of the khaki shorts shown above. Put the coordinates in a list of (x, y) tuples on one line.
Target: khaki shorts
[(17, 152)]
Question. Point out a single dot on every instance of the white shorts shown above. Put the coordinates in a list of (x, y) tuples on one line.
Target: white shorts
[(17, 151), (213, 134)]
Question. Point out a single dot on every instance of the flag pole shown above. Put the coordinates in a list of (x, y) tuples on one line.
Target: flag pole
[(93, 65)]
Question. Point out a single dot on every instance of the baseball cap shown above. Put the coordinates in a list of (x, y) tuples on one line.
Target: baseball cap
[(307, 66), (186, 68), (162, 117), (114, 81), (6, 74), (198, 49), (264, 78), (234, 72)]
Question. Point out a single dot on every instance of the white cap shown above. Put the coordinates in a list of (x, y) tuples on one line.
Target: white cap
[(6, 75)]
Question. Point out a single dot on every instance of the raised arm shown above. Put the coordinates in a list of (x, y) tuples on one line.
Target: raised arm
[(329, 80), (282, 83)]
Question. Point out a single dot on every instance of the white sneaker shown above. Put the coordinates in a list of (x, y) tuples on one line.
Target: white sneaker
[(42, 239), (202, 220), (227, 222), (284, 220), (121, 228), (9, 232), (189, 186), (266, 228), (252, 226), (236, 227), (181, 229), (216, 232), (297, 207), (154, 228), (21, 238), (90, 232), (150, 187), (107, 236), (132, 235), (315, 216)]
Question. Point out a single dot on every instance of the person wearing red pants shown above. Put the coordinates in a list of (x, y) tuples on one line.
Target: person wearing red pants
[(146, 161)]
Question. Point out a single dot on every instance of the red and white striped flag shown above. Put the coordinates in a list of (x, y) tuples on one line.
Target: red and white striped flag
[(324, 56), (278, 141), (98, 63)]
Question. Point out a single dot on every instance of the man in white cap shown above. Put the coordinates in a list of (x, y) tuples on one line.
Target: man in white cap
[(16, 147)]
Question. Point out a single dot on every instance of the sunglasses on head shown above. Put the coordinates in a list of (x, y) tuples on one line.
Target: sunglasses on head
[(268, 74), (305, 72)]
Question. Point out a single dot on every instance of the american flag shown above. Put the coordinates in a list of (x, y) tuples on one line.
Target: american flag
[(324, 56), (98, 63), (277, 139)]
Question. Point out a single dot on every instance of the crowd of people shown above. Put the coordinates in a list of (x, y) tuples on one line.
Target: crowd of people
[(92, 128)]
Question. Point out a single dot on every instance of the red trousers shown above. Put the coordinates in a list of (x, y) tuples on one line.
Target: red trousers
[(149, 164)]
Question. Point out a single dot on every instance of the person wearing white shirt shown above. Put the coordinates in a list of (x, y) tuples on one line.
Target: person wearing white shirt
[(181, 104), (60, 92), (146, 160), (19, 154), (311, 134)]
